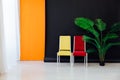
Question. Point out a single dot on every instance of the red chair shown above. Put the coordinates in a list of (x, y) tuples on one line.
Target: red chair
[(79, 48)]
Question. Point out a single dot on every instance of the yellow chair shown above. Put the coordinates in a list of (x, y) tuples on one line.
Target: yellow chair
[(64, 48)]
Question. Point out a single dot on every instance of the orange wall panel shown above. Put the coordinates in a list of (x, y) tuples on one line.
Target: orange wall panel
[(32, 29)]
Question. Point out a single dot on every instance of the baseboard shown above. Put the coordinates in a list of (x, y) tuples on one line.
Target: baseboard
[(90, 60)]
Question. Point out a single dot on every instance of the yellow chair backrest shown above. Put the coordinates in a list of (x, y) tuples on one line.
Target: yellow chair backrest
[(65, 43)]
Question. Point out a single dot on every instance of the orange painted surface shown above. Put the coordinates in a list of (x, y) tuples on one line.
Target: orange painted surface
[(32, 29)]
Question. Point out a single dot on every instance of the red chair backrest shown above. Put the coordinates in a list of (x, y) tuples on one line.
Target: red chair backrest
[(78, 43)]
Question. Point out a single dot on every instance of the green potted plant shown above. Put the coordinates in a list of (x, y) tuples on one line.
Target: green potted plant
[(100, 41)]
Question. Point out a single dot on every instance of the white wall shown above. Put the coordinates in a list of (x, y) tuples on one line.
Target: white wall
[(10, 33), (17, 12), (1, 39)]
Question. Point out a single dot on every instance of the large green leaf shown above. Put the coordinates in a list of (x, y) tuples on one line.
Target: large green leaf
[(115, 27), (110, 45), (86, 24), (100, 25), (91, 40), (110, 36), (90, 50)]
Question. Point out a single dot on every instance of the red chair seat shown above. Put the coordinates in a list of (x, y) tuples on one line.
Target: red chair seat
[(79, 53)]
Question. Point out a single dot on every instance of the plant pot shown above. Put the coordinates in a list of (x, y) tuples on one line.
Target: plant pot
[(102, 63)]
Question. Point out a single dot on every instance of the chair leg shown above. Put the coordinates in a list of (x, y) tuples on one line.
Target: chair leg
[(71, 60), (86, 60), (59, 59)]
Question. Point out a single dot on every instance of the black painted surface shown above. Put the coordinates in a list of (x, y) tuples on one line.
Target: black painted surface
[(60, 15)]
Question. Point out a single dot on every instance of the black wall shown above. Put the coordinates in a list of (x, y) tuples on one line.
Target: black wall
[(60, 15)]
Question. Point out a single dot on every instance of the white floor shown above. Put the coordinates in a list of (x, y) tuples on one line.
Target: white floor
[(49, 71)]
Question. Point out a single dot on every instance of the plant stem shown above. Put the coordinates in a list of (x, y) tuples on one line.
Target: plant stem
[(101, 55), (101, 38)]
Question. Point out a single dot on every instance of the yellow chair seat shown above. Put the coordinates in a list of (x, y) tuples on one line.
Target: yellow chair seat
[(64, 53)]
